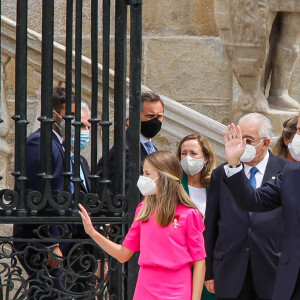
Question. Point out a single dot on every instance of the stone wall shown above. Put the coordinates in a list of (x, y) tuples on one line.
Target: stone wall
[(184, 58)]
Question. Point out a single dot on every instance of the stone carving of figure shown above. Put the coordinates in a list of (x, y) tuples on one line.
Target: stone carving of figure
[(5, 149), (261, 39)]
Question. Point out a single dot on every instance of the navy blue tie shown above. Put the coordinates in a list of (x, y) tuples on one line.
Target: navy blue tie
[(149, 146), (253, 171)]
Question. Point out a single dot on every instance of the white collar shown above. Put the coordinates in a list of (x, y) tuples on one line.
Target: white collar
[(143, 139), (261, 166), (58, 136)]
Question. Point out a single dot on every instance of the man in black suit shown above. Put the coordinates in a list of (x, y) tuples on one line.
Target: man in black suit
[(33, 259), (33, 169), (243, 248), (152, 111), (283, 191)]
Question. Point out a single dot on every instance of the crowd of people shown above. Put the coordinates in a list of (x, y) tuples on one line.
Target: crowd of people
[(203, 231)]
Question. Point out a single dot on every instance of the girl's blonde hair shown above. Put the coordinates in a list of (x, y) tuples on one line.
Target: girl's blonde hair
[(208, 152), (169, 189)]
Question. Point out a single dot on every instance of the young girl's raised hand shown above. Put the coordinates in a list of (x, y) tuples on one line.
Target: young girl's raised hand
[(86, 220)]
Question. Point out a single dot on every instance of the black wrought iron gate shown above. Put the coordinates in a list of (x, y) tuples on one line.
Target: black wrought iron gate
[(76, 276)]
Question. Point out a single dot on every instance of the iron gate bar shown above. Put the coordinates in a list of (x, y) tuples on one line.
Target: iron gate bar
[(116, 211), (119, 118), (135, 122), (120, 96), (46, 93), (78, 52), (54, 219), (68, 117), (94, 115), (21, 102), (105, 123)]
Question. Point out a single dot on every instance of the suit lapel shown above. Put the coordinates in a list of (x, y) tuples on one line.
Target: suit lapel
[(144, 153), (83, 164), (86, 173), (58, 144), (272, 169)]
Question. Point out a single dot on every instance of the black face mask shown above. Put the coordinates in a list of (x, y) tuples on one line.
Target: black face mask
[(150, 128)]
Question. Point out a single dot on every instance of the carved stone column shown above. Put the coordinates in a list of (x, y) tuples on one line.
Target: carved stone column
[(5, 149)]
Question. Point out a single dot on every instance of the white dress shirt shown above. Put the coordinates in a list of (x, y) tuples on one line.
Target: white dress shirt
[(261, 166), (58, 136), (81, 171)]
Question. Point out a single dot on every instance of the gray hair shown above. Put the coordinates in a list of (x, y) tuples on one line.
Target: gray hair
[(266, 126), (85, 107)]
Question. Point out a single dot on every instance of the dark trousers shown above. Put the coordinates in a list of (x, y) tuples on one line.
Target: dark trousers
[(296, 293), (248, 290)]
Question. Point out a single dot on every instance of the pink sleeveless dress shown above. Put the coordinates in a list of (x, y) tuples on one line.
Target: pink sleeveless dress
[(167, 254)]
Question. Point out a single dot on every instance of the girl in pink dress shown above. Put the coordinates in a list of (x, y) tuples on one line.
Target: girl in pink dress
[(168, 232)]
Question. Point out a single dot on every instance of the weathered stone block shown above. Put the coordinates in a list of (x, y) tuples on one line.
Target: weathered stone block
[(294, 86), (219, 111), (179, 17), (188, 69), (35, 16)]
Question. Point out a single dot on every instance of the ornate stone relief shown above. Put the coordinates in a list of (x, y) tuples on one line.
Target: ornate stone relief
[(261, 39), (5, 149)]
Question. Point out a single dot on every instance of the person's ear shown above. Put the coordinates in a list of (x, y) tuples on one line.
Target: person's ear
[(267, 142)]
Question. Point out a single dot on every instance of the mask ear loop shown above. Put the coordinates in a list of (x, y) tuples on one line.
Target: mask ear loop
[(57, 126), (59, 117), (260, 142), (255, 148), (57, 113)]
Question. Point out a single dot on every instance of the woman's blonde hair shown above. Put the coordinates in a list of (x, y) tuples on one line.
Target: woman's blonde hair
[(208, 152), (169, 189), (289, 128)]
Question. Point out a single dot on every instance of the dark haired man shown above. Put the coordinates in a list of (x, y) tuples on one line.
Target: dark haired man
[(32, 256), (152, 112)]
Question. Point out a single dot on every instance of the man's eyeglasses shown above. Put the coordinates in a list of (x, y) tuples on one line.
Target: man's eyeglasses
[(250, 141)]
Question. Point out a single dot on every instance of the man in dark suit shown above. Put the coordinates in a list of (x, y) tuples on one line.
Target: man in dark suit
[(152, 111), (243, 248), (282, 191), (34, 260), (33, 169)]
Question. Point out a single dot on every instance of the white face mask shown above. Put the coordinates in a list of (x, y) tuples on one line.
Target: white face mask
[(192, 166), (146, 185), (296, 144), (293, 152), (250, 153)]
